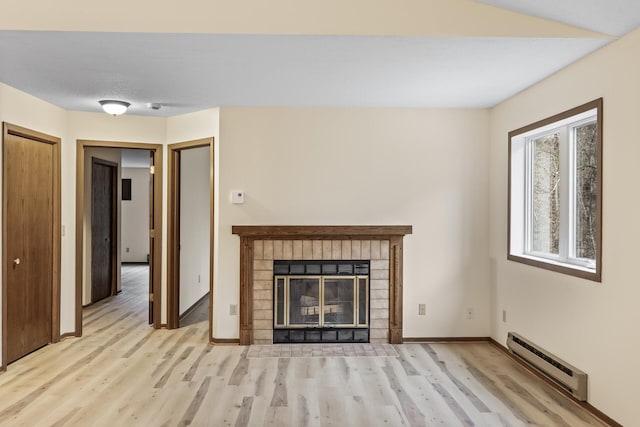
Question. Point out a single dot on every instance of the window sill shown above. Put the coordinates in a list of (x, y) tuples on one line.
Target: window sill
[(558, 267)]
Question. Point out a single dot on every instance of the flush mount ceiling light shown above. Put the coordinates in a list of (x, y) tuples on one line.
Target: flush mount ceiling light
[(114, 107)]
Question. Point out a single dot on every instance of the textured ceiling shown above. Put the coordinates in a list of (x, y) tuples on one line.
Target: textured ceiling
[(188, 72)]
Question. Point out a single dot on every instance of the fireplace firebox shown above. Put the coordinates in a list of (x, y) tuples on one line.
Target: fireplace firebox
[(320, 301)]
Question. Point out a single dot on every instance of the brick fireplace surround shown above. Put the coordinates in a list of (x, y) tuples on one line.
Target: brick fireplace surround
[(261, 245)]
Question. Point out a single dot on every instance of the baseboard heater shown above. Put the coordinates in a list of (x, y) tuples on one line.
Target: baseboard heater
[(568, 377)]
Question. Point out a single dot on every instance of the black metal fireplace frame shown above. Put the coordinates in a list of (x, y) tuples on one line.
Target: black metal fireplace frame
[(323, 334)]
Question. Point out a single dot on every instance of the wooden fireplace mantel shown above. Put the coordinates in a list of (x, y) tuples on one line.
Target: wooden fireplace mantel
[(250, 233)]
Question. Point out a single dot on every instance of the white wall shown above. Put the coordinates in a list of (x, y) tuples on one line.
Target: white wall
[(591, 325), (194, 226), (135, 216), (112, 155), (315, 166)]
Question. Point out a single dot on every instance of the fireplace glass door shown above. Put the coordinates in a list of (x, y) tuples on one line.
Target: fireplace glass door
[(321, 301)]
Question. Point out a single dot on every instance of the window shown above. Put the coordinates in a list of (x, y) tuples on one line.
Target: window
[(555, 192)]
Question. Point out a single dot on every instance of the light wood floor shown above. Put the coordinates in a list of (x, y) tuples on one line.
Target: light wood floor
[(123, 373)]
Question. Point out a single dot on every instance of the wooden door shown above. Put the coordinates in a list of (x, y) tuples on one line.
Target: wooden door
[(29, 243), (104, 175), (152, 235)]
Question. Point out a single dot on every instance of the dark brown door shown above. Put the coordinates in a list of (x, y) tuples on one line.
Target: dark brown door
[(29, 181), (152, 215), (104, 175)]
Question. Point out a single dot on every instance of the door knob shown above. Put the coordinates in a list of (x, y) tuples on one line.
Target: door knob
[(16, 261)]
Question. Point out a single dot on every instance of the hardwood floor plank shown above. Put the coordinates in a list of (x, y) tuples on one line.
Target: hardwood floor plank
[(459, 412), (409, 408), (163, 380), (303, 411), (194, 407), (239, 372), (491, 386), (280, 390), (479, 405), (194, 367), (122, 372), (64, 420), (245, 412), (138, 345)]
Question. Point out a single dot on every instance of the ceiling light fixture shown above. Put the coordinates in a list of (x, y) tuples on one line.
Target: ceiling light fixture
[(113, 107)]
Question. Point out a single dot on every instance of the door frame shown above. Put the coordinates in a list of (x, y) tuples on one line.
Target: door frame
[(9, 129), (156, 149), (115, 241), (173, 233)]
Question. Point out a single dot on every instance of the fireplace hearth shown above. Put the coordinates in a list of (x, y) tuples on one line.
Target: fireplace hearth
[(321, 301)]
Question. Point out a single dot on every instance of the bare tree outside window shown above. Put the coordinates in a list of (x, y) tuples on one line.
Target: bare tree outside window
[(545, 209), (586, 191)]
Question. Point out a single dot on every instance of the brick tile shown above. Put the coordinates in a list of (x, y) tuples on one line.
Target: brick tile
[(258, 247), (297, 249), (277, 249), (268, 250)]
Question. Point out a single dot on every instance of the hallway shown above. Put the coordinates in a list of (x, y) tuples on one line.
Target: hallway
[(123, 372)]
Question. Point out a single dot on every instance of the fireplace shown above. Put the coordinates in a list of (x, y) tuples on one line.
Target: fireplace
[(320, 301), (379, 246)]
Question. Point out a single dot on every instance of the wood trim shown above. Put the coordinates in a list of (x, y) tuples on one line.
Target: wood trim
[(173, 227), (320, 232), (173, 240), (246, 290), (597, 275), (555, 267), (57, 246), (67, 335), (157, 149), (250, 233), (585, 405), (20, 131), (10, 129), (395, 290), (212, 231), (445, 339), (224, 341)]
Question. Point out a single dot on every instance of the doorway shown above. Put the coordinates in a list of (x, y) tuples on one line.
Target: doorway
[(180, 190), (31, 242), (154, 226), (104, 235)]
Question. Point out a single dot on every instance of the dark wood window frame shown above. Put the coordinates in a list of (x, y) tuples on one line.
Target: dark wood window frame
[(548, 265)]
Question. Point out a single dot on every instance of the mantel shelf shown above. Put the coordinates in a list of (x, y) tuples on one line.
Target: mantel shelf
[(342, 232)]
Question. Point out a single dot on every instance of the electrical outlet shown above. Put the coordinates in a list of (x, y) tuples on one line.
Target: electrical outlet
[(470, 313), (198, 278), (422, 309), (233, 309), (504, 316), (127, 250)]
